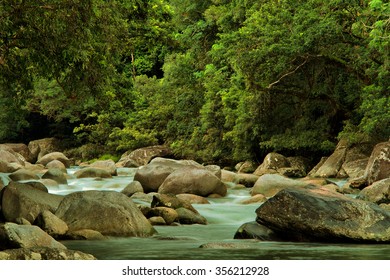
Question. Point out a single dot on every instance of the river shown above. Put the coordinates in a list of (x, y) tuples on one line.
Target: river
[(224, 216)]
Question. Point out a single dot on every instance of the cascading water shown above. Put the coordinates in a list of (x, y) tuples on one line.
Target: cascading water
[(224, 216)]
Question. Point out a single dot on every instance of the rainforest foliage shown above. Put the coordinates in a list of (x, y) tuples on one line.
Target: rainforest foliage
[(218, 80)]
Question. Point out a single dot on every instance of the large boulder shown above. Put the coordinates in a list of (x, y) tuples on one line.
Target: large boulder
[(37, 168), (108, 212), (51, 224), (298, 167), (56, 175), (332, 165), (247, 167), (314, 170), (56, 164), (168, 208), (272, 162), (84, 234), (92, 172), (356, 159), (270, 184), (25, 201), (192, 198), (9, 160), (229, 176), (378, 192), (21, 149), (168, 214), (348, 160), (108, 165), (41, 147), (171, 201), (378, 166), (44, 160), (356, 168), (43, 253), (151, 176), (9, 155), (143, 156), (258, 198), (25, 236), (186, 216), (132, 188), (317, 214), (7, 167), (248, 180), (23, 175), (194, 181)]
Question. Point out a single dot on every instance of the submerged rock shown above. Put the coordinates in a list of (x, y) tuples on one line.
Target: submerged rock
[(254, 230), (225, 245), (317, 214)]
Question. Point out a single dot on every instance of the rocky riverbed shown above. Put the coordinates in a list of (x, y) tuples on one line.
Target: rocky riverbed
[(47, 201)]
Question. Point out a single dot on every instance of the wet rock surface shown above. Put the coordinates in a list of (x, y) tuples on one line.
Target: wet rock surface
[(317, 214), (44, 253), (108, 212)]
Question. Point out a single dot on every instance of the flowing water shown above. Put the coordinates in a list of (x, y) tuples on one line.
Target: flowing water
[(224, 216)]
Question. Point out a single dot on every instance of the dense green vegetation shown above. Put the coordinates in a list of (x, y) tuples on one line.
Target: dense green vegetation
[(218, 80)]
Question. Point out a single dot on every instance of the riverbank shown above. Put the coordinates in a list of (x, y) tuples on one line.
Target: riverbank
[(39, 197)]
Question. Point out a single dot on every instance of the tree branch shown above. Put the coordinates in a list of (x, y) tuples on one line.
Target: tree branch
[(289, 73)]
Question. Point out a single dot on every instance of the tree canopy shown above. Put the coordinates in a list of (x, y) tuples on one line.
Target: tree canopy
[(218, 81)]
